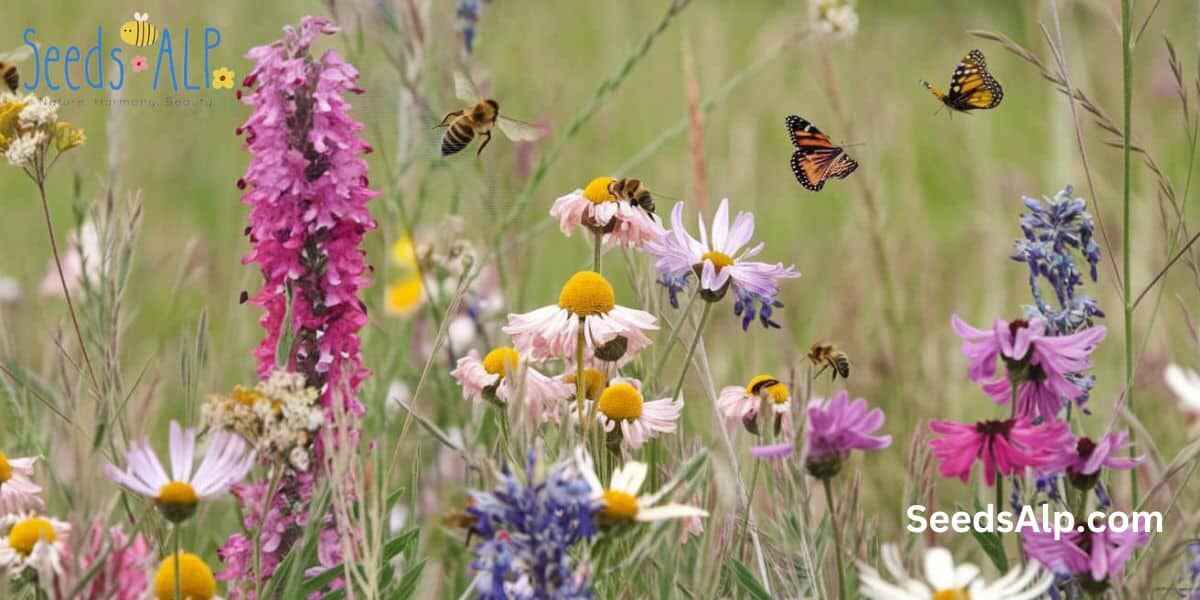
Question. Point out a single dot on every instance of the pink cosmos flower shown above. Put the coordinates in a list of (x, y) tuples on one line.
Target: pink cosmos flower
[(1005, 447), (611, 332), (838, 426), (621, 223), (622, 407), (721, 262), (1099, 556), (18, 492), (139, 64), (1039, 362), (501, 375)]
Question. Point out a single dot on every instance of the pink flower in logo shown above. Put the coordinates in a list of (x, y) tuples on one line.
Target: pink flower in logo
[(139, 64)]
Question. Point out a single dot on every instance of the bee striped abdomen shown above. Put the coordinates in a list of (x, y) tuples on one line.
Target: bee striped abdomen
[(11, 77), (458, 135)]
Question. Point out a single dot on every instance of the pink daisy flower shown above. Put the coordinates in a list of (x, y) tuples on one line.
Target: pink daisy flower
[(835, 428), (738, 404), (1097, 558), (1038, 362), (18, 492), (1005, 447), (226, 461), (623, 411), (597, 209), (501, 374), (139, 64), (722, 263), (586, 307), (1083, 460)]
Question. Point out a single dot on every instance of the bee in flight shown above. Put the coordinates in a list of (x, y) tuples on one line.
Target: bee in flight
[(632, 191), (827, 356), (478, 119), (816, 158), (139, 32), (8, 66), (971, 86)]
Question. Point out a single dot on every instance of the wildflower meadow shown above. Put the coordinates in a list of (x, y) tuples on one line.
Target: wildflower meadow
[(679, 299)]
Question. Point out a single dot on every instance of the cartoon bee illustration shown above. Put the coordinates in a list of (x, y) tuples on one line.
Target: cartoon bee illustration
[(478, 119), (634, 192), (828, 356), (139, 32), (8, 66)]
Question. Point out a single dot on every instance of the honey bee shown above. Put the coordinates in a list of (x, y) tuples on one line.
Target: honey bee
[(827, 356), (8, 66), (461, 519), (139, 32), (478, 119), (634, 192)]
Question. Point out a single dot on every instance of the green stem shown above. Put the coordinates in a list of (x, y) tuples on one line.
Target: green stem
[(749, 506), (837, 537), (672, 337), (1127, 226), (687, 362), (178, 584), (580, 383), (596, 252)]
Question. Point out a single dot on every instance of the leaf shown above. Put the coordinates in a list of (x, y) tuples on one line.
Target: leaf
[(747, 580), (400, 543), (991, 543), (408, 582)]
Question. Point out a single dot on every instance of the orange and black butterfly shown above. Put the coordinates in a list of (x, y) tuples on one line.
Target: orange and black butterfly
[(816, 158), (971, 86)]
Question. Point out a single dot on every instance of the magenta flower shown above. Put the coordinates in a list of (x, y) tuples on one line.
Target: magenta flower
[(1095, 557), (307, 191), (835, 428), (721, 262), (1037, 362), (1082, 460), (1005, 447)]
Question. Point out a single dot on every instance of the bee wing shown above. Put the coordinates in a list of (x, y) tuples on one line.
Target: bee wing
[(16, 54), (465, 89), (519, 131)]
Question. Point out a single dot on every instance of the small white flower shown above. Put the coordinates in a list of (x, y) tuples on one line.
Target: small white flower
[(620, 500), (38, 112), (621, 406), (30, 541), (945, 580), (22, 150), (1186, 385), (18, 492)]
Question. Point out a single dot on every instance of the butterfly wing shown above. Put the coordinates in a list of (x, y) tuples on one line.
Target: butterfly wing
[(518, 131), (816, 158), (972, 87)]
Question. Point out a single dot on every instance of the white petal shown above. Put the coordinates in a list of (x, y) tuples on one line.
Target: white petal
[(669, 511)]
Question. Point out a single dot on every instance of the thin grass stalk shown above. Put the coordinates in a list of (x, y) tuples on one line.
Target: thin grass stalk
[(837, 537), (1127, 228)]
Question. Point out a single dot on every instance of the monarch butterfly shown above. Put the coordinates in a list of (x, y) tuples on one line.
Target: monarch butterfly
[(971, 86), (816, 158)]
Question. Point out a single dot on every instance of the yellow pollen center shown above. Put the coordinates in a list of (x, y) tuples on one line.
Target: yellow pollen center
[(619, 506), (594, 382), (956, 594), (196, 581), (587, 293), (177, 493), (5, 469), (246, 396), (26, 534), (501, 361), (776, 391), (718, 259), (597, 190), (621, 401)]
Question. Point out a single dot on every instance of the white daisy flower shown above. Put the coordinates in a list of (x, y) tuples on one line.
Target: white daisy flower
[(621, 406), (30, 541), (226, 461), (18, 492), (595, 207), (621, 503), (945, 581), (502, 374)]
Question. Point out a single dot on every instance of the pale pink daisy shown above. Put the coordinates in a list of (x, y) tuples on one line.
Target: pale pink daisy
[(226, 461), (741, 404), (18, 492), (586, 306), (32, 542), (596, 208), (501, 375), (621, 408), (620, 502)]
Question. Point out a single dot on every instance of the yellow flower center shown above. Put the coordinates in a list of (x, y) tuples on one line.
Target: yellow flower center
[(621, 401), (587, 293), (177, 501), (5, 469), (619, 506), (718, 259), (196, 580), (245, 396), (501, 361), (956, 594), (404, 296), (26, 534), (778, 392), (597, 190), (594, 382), (403, 253)]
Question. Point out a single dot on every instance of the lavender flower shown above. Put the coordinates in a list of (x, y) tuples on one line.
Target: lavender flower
[(838, 426), (529, 528), (467, 13), (1054, 232)]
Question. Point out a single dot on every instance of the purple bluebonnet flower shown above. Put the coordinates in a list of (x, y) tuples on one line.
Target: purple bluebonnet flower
[(721, 262), (1054, 231), (529, 528)]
